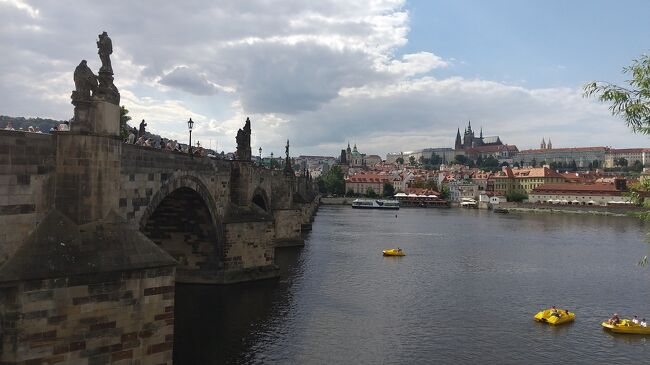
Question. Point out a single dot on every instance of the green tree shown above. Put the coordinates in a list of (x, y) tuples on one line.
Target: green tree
[(461, 159), (533, 162), (124, 120), (400, 160), (335, 181), (637, 166), (389, 189), (632, 102), (444, 192), (515, 196), (622, 162), (350, 192), (412, 160), (370, 193)]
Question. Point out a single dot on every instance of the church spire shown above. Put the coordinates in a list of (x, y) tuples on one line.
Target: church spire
[(459, 143), (543, 144), (549, 145), (481, 135)]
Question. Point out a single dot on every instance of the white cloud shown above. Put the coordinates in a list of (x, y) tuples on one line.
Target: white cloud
[(319, 73)]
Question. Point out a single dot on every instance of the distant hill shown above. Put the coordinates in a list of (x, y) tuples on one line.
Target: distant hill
[(24, 123)]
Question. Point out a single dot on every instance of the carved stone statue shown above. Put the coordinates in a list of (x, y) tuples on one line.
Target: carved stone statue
[(106, 90), (85, 82), (244, 142), (288, 170), (105, 48), (286, 149)]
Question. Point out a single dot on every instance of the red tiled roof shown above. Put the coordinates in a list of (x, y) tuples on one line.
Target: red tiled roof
[(368, 178), (595, 188), (627, 150), (572, 149), (532, 172)]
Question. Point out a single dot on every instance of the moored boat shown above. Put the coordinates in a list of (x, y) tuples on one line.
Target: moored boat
[(393, 252), (561, 316), (626, 326), (375, 204)]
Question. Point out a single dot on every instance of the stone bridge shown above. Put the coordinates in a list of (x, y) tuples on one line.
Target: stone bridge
[(94, 233)]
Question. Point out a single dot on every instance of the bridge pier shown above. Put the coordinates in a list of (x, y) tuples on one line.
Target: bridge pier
[(95, 233)]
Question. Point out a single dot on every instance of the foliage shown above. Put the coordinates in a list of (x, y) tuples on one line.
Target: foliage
[(516, 196), (563, 166), (124, 120), (400, 160), (490, 163), (370, 193), (632, 103), (620, 162), (350, 192), (428, 184), (444, 192), (412, 160), (461, 159), (389, 189), (330, 183)]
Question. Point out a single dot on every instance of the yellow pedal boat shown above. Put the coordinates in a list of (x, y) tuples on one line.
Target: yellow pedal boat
[(627, 326), (393, 252), (545, 316)]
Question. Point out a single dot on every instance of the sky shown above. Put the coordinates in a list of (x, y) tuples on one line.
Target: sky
[(387, 75)]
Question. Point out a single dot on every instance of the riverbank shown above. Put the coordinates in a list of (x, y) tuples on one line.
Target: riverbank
[(615, 211), (336, 201)]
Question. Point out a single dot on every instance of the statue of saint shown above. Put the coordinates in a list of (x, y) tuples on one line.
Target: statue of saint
[(286, 149), (85, 81), (105, 48)]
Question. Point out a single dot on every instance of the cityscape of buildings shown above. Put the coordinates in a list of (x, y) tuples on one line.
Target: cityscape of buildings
[(482, 167)]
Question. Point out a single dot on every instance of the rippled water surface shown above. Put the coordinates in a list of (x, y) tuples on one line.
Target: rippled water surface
[(465, 293)]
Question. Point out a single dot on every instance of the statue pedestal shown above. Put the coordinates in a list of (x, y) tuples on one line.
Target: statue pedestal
[(96, 117)]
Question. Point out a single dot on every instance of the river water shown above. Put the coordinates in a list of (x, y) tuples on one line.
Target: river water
[(465, 293)]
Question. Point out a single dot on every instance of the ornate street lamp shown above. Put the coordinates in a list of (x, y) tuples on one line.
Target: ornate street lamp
[(260, 156), (271, 166), (190, 125)]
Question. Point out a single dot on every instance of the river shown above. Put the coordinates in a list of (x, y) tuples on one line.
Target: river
[(465, 293)]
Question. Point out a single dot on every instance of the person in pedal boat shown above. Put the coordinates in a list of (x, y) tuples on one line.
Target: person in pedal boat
[(635, 320), (643, 323), (614, 320), (554, 312)]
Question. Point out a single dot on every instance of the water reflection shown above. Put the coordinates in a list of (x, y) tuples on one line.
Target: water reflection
[(465, 293)]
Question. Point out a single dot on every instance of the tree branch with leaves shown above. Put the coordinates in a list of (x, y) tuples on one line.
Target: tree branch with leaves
[(632, 102)]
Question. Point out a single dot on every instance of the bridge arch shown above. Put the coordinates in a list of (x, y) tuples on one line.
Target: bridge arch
[(182, 220), (261, 200)]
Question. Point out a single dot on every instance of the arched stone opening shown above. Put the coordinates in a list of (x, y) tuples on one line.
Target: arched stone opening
[(183, 226), (260, 199)]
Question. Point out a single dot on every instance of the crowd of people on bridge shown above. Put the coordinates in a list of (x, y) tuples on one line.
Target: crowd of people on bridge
[(137, 136), (65, 126)]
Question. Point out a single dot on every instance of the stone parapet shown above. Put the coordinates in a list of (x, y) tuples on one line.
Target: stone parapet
[(95, 318), (27, 164)]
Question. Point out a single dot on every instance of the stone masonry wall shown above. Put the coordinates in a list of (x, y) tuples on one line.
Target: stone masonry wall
[(118, 318), (145, 171), (248, 247), (27, 163), (288, 227)]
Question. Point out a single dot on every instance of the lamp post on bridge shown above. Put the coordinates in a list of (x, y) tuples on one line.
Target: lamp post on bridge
[(260, 156), (190, 125), (271, 165)]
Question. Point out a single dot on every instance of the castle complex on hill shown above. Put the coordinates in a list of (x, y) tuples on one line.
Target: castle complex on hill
[(469, 140)]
